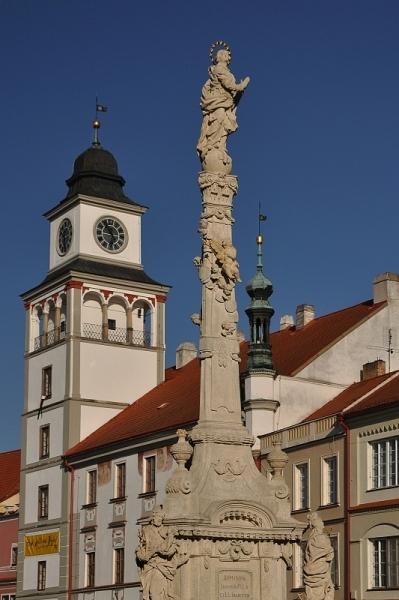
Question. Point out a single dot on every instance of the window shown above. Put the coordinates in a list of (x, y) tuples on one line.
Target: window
[(385, 555), (43, 502), (119, 565), (14, 555), (7, 596), (63, 327), (301, 486), (112, 324), (44, 444), (46, 383), (149, 474), (298, 561), (41, 575), (120, 480), (91, 487), (90, 569), (329, 480), (385, 463), (335, 561)]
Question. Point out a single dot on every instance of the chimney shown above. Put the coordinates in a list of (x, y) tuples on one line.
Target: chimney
[(304, 314), (286, 321), (185, 352), (386, 287), (372, 369)]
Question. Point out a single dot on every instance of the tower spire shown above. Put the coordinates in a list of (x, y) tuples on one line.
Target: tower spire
[(260, 312)]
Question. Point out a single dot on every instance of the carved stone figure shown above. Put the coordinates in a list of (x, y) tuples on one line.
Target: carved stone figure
[(317, 566), (219, 99), (226, 255), (158, 557)]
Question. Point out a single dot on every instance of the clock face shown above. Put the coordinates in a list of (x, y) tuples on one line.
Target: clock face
[(64, 237), (110, 234)]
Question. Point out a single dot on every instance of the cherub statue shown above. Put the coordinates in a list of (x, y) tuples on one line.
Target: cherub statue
[(226, 256), (317, 566), (158, 557), (219, 99)]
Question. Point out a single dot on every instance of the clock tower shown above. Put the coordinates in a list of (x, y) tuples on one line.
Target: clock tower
[(94, 344)]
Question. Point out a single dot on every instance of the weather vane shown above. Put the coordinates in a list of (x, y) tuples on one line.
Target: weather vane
[(96, 122)]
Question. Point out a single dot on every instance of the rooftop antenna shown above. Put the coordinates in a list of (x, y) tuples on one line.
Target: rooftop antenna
[(388, 348), (96, 122)]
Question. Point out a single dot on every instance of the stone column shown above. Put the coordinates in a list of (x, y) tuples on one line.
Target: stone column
[(104, 311), (129, 325), (57, 323)]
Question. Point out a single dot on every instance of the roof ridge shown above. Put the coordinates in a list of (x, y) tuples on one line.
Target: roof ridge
[(372, 391)]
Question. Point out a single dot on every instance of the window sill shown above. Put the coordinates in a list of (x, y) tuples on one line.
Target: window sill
[(377, 489), (147, 494), (89, 505), (382, 589), (331, 505), (297, 511), (120, 499)]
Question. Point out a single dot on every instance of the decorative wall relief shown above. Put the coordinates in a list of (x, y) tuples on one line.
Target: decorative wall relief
[(229, 469), (235, 550), (118, 537), (90, 542)]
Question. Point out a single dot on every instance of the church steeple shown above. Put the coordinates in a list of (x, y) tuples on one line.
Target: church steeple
[(260, 312)]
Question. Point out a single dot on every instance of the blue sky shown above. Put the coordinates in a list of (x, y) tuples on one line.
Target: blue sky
[(318, 143)]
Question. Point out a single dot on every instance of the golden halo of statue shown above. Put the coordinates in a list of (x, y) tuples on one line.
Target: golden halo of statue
[(219, 45)]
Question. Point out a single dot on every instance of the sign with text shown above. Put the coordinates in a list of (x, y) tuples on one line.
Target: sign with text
[(42, 543), (235, 585)]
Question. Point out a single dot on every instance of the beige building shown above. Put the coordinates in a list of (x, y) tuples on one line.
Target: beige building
[(344, 464)]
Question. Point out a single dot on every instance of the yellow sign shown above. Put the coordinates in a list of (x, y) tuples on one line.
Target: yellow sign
[(42, 543)]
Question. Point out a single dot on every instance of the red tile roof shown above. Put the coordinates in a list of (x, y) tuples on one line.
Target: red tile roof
[(344, 400), (175, 402), (10, 465), (172, 404), (386, 395)]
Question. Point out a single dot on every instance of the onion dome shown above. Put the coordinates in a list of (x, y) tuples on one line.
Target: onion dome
[(95, 173)]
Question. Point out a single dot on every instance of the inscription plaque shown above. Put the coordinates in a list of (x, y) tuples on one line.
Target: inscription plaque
[(234, 585)]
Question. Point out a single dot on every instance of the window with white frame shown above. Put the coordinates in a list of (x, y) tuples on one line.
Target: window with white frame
[(301, 486), (90, 575), (335, 560), (329, 480), (297, 564), (119, 565), (385, 563), (91, 495), (120, 480), (149, 474), (41, 575), (385, 463), (7, 596)]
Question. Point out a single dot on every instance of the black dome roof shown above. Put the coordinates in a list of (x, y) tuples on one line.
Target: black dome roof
[(95, 173)]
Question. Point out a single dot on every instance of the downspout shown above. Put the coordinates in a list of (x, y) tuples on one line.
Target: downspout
[(70, 470), (347, 523)]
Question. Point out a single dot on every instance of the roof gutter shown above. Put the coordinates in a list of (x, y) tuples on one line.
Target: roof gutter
[(71, 471), (347, 523)]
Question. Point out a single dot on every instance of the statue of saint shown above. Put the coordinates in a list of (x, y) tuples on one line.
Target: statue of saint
[(158, 557), (317, 565), (220, 96)]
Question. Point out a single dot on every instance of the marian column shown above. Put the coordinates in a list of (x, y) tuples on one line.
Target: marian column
[(227, 528)]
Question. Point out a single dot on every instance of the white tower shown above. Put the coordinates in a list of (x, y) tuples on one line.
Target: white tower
[(94, 344)]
